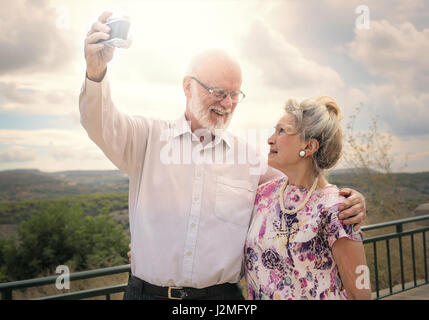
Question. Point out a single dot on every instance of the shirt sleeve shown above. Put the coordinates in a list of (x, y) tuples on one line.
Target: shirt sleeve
[(336, 229), (122, 138)]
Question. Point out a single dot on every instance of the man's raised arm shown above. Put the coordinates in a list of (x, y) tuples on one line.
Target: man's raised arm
[(117, 134)]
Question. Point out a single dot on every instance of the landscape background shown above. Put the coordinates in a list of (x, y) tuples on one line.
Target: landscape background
[(27, 194), (63, 202)]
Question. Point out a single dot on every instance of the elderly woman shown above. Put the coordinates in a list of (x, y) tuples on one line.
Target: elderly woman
[(296, 247)]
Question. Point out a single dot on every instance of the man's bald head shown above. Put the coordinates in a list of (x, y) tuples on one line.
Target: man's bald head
[(213, 64)]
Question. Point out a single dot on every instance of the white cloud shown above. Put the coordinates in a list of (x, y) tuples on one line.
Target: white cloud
[(284, 66), (29, 39), (16, 154), (50, 150), (29, 99), (44, 138), (398, 55)]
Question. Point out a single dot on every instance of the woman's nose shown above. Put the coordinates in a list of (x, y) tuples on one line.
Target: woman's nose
[(271, 139)]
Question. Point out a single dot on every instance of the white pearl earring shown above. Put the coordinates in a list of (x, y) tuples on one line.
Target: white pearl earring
[(302, 153)]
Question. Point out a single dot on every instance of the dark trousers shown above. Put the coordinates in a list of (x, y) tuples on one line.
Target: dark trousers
[(136, 291)]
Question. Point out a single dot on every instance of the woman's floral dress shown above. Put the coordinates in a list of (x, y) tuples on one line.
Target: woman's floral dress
[(295, 262)]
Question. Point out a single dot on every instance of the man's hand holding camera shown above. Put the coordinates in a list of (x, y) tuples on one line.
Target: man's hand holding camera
[(97, 55)]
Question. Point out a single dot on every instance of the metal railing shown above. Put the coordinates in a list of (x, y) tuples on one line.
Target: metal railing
[(399, 234), (7, 288)]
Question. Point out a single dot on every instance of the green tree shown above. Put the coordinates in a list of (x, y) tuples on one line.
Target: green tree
[(61, 235)]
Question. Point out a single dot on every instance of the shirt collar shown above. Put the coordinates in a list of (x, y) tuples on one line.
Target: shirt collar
[(183, 126)]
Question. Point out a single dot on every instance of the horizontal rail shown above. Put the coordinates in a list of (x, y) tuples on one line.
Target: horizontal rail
[(73, 276), (86, 293), (394, 222), (395, 235)]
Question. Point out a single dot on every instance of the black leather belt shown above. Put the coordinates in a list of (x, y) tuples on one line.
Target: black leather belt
[(180, 293)]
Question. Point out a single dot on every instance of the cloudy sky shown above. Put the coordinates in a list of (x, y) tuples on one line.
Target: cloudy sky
[(286, 48)]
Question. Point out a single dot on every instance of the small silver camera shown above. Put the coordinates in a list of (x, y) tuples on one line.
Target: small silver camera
[(119, 28)]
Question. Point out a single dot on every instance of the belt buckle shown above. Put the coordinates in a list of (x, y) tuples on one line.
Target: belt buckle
[(182, 294)]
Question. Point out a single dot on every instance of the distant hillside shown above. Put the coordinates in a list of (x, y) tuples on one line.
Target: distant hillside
[(16, 185), (411, 185)]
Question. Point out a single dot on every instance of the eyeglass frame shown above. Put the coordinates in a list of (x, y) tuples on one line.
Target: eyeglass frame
[(225, 92)]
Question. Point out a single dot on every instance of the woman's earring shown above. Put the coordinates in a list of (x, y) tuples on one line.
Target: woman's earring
[(302, 153)]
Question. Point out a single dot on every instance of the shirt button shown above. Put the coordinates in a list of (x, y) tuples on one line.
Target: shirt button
[(188, 253), (193, 225), (199, 174), (195, 198)]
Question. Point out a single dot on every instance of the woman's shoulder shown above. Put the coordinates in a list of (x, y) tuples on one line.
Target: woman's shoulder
[(330, 196), (270, 187), (272, 184)]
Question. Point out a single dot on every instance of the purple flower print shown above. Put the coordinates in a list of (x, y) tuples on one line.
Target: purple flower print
[(249, 264), (267, 190), (278, 211), (251, 254), (311, 256), (270, 259), (274, 276), (251, 257)]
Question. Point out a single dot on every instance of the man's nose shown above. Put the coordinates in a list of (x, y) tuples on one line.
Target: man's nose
[(227, 102)]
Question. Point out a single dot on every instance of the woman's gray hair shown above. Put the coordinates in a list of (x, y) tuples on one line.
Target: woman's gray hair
[(319, 119)]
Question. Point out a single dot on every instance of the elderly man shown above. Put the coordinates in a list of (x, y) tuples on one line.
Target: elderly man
[(188, 218)]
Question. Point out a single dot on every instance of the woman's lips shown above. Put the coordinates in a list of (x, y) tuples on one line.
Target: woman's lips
[(272, 152)]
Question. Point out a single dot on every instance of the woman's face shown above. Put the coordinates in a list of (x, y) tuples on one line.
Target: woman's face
[(285, 144)]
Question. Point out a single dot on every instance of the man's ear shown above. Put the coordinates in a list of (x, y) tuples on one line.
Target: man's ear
[(187, 87)]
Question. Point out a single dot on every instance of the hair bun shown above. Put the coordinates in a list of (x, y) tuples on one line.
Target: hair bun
[(330, 103), (291, 105)]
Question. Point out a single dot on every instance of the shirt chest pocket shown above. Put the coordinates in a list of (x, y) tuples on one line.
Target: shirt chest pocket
[(234, 200)]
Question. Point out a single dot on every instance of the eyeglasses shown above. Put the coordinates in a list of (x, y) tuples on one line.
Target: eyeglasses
[(220, 94)]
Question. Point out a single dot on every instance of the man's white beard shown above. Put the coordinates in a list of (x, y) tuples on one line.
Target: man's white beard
[(202, 115)]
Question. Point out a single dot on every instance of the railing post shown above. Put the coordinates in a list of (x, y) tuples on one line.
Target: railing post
[(377, 289), (424, 256), (389, 266), (399, 228), (414, 259)]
